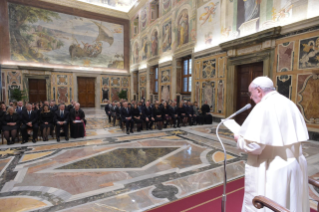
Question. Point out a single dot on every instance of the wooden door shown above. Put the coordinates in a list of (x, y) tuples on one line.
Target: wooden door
[(86, 91), (37, 90), (245, 75)]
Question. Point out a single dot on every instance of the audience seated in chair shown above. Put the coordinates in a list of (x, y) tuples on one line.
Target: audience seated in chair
[(77, 122), (148, 116), (126, 116), (46, 122), (158, 116), (166, 114), (137, 117), (11, 125), (182, 113), (29, 120), (61, 121)]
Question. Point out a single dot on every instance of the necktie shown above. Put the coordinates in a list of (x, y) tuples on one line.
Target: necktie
[(61, 114), (127, 110)]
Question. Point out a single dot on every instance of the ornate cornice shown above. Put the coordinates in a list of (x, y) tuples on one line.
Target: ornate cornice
[(251, 39)]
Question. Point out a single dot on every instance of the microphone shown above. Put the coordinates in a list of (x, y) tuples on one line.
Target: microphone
[(246, 107)]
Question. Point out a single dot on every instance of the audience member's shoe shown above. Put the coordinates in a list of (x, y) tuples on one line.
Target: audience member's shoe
[(58, 139), (127, 132), (174, 126), (66, 138), (178, 126), (131, 131), (23, 142), (34, 141), (146, 128)]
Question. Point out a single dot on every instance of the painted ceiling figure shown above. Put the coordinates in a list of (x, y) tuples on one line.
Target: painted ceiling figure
[(251, 9)]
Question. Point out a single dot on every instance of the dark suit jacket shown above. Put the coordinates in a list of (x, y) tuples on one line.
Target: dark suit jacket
[(54, 108), (181, 110), (173, 111), (118, 111), (68, 108), (205, 109), (26, 119), (147, 113), (190, 110), (107, 108), (7, 119), (58, 117), (125, 114)]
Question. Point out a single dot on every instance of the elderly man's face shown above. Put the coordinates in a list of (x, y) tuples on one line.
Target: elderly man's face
[(29, 107), (20, 104), (77, 107), (62, 107), (255, 94)]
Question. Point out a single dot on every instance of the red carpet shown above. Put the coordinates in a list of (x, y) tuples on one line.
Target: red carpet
[(210, 200)]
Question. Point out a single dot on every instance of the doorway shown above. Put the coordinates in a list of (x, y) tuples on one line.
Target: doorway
[(86, 91), (37, 90), (245, 75)]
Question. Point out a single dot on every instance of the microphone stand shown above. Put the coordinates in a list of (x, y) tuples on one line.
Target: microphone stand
[(224, 197)]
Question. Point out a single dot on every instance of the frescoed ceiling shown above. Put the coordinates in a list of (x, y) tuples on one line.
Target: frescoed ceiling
[(120, 5)]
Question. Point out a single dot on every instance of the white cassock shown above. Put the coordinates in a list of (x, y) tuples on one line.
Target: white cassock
[(276, 168)]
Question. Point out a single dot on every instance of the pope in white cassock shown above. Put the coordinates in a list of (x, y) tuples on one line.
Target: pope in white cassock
[(272, 137)]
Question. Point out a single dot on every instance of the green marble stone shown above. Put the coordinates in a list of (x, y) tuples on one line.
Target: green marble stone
[(121, 158)]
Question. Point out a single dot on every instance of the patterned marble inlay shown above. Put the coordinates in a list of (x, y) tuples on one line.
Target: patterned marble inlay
[(10, 204), (35, 156), (121, 158), (219, 157)]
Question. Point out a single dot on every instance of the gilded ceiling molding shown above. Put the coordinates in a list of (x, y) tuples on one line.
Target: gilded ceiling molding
[(89, 7)]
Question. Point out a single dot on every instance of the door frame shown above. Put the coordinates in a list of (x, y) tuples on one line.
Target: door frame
[(97, 86), (267, 57), (47, 77)]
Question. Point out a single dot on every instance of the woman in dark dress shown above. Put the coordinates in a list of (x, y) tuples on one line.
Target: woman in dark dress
[(157, 114), (137, 118), (10, 125), (166, 114), (182, 113), (46, 122)]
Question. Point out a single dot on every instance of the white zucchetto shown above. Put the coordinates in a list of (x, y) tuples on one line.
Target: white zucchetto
[(263, 82)]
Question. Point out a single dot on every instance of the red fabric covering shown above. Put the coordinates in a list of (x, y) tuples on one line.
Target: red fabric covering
[(210, 200)]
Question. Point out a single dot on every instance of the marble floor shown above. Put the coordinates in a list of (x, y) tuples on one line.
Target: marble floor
[(111, 171)]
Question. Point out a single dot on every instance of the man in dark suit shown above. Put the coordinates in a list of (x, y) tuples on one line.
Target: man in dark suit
[(126, 116), (148, 116), (70, 106), (20, 108), (77, 122), (108, 108), (174, 114), (61, 120), (190, 113), (29, 120), (118, 112), (53, 107)]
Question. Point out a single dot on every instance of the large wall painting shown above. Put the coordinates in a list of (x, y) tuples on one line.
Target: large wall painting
[(166, 6), (308, 92), (309, 53), (285, 56), (43, 36), (121, 5), (145, 48), (284, 85), (208, 25), (167, 36), (154, 43), (208, 94), (143, 18), (115, 94), (182, 28), (165, 76), (62, 95), (105, 89)]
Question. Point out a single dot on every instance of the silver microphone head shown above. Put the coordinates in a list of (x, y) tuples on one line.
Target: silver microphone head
[(248, 106)]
